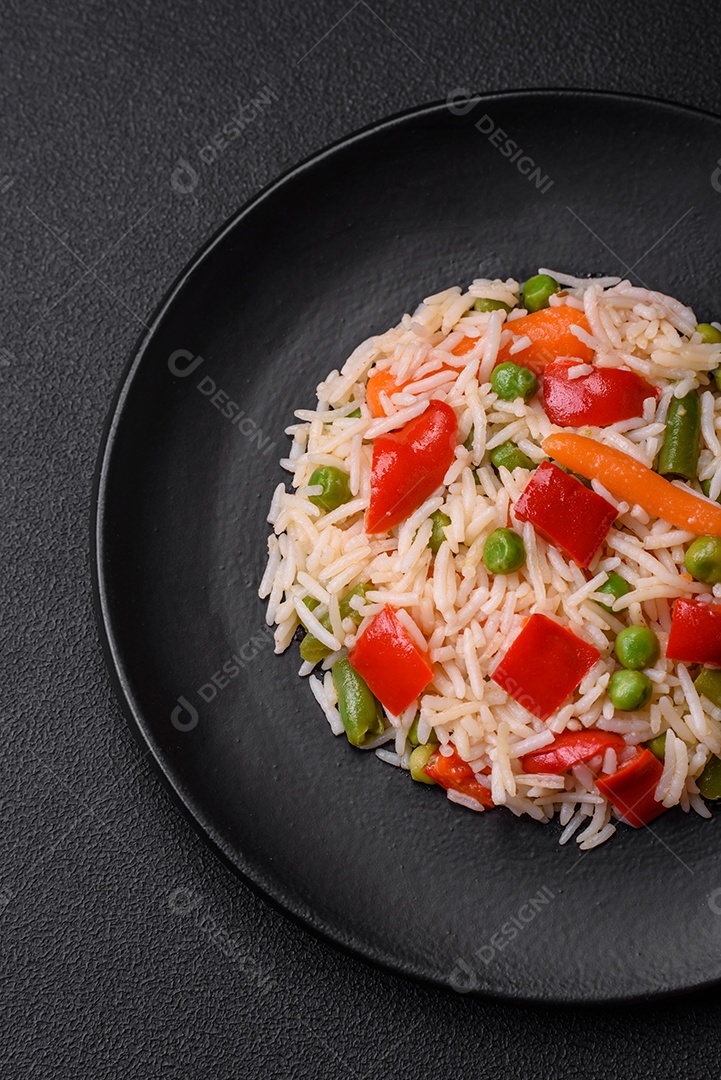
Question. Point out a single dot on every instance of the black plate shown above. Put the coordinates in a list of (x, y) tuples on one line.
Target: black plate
[(334, 251)]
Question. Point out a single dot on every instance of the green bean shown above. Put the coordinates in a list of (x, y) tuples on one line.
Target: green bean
[(630, 690), (413, 735), (637, 647), (417, 763), (313, 650), (709, 334), (657, 746), (679, 452), (360, 712), (511, 457), (335, 484), (538, 290), (468, 444), (706, 485), (439, 520), (703, 559), (355, 415), (582, 479), (510, 381), (708, 683), (615, 586), (504, 552), (709, 782), (484, 304)]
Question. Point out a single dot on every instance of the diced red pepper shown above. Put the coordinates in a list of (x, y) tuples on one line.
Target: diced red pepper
[(387, 657), (569, 749), (631, 789), (695, 636), (604, 396), (455, 774), (409, 464), (566, 512), (544, 665)]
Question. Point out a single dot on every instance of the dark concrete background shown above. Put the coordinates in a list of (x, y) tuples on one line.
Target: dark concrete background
[(127, 949)]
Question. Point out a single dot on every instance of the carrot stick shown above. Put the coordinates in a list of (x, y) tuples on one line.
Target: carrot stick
[(629, 480)]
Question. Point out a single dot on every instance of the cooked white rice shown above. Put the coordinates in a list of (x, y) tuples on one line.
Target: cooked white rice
[(450, 603)]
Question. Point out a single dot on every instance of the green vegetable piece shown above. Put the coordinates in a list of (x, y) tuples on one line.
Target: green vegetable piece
[(335, 484), (504, 552), (311, 648), (439, 520), (615, 586), (538, 290), (311, 603), (630, 690), (582, 479), (417, 763), (482, 304), (708, 683), (709, 782), (717, 378), (355, 415), (637, 647), (703, 559), (510, 381), (679, 453), (413, 735), (657, 746), (468, 444), (359, 710), (511, 457), (709, 334)]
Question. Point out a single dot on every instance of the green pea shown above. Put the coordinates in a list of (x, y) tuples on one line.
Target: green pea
[(313, 650), (417, 763), (355, 415), (510, 381), (483, 304), (630, 690), (335, 484), (708, 683), (637, 647), (657, 746), (439, 520), (504, 552), (709, 334), (678, 456), (413, 735), (703, 559), (511, 457), (709, 782), (359, 710), (468, 444), (538, 290), (615, 586)]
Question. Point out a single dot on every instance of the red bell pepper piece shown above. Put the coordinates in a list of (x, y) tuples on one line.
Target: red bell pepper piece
[(408, 465), (455, 774), (695, 636), (631, 789), (544, 665), (566, 512), (389, 660), (604, 396), (569, 749)]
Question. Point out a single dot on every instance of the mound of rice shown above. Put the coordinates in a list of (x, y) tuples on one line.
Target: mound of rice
[(465, 617)]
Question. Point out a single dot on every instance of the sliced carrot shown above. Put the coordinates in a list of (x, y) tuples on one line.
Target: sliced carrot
[(464, 345), (380, 381), (550, 334), (628, 480)]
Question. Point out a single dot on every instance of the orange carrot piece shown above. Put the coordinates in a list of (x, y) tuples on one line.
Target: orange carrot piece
[(550, 334), (464, 345), (628, 480), (380, 381)]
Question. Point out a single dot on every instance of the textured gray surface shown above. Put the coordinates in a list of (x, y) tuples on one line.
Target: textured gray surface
[(128, 950)]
